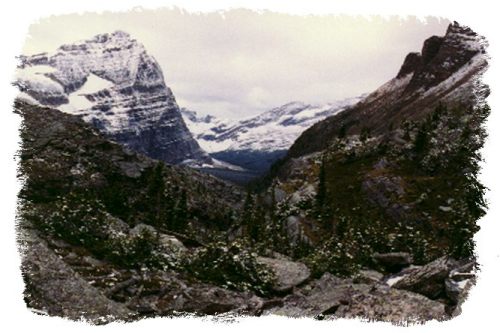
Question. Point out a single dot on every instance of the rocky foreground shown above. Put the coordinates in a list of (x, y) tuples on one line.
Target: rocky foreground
[(67, 281)]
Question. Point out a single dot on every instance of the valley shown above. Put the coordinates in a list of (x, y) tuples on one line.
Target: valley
[(133, 207)]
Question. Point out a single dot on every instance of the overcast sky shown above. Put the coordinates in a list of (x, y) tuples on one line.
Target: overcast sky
[(242, 63)]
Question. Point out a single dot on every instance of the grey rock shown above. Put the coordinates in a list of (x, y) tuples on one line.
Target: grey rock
[(385, 192), (397, 306), (209, 300), (427, 280), (457, 290), (333, 298), (368, 276), (293, 228), (288, 273), (279, 194), (460, 294), (54, 288), (459, 282), (115, 226)]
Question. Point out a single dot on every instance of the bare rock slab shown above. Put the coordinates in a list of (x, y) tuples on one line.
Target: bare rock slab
[(288, 273)]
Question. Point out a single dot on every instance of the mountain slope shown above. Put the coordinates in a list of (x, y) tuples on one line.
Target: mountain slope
[(113, 83), (445, 71), (398, 171)]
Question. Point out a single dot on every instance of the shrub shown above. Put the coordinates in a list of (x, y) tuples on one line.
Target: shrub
[(231, 265)]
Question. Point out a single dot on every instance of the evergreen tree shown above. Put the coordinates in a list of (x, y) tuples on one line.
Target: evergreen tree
[(155, 197), (181, 213), (321, 194)]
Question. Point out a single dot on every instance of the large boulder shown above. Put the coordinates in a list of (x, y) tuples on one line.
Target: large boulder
[(54, 288), (427, 280), (393, 261), (288, 273), (171, 242)]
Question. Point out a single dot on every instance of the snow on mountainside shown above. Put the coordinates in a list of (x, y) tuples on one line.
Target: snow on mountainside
[(446, 71), (273, 130), (111, 82)]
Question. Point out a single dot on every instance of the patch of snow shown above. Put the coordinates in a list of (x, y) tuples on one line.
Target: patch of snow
[(394, 280), (445, 209), (35, 79), (77, 99), (224, 165), (27, 98), (392, 85), (474, 64), (215, 146), (462, 284), (36, 70)]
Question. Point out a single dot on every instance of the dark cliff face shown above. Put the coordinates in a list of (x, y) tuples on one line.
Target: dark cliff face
[(113, 83), (446, 71)]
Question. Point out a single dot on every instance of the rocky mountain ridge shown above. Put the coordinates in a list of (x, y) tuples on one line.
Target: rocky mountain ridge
[(113, 83), (446, 71)]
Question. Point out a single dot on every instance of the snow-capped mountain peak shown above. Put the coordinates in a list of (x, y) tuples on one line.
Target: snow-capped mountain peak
[(113, 83), (273, 130)]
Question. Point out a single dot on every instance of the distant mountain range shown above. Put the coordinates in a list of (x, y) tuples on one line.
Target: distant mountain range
[(112, 82), (255, 143)]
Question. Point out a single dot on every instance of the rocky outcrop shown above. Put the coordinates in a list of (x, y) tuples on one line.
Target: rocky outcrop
[(427, 280), (63, 154), (54, 288), (288, 273), (114, 84), (167, 242)]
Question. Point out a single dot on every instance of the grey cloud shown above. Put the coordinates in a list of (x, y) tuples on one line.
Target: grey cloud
[(244, 63)]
